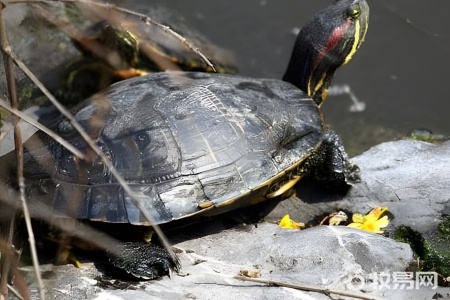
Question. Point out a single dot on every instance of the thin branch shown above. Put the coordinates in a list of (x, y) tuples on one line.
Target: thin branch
[(31, 239), (41, 127), (146, 19), (308, 288), (304, 287), (72, 226), (11, 82), (96, 149), (5, 260), (15, 292)]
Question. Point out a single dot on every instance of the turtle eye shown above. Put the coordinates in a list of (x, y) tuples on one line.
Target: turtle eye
[(353, 13), (142, 140)]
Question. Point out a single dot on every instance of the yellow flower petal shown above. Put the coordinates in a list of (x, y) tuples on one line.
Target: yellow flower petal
[(377, 211), (370, 226), (383, 222), (286, 222), (355, 225), (358, 218), (372, 221)]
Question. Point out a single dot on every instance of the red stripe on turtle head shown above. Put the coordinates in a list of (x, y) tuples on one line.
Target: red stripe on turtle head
[(334, 39)]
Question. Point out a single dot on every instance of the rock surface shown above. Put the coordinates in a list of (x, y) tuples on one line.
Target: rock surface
[(409, 177), (322, 256)]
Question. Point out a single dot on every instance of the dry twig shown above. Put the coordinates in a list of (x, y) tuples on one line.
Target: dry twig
[(308, 288), (91, 143), (41, 127), (10, 78), (144, 18)]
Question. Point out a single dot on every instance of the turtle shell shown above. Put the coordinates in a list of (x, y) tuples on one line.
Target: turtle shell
[(187, 144)]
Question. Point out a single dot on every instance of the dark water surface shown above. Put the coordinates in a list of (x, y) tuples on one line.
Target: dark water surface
[(401, 72)]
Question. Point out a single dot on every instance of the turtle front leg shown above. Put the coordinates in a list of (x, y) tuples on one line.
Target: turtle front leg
[(330, 162), (142, 260)]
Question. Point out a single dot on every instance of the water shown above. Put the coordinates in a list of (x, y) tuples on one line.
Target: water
[(400, 71)]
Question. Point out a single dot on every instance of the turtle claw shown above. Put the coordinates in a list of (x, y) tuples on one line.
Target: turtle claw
[(143, 261), (351, 173)]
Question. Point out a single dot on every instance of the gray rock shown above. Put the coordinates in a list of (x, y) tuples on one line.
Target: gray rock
[(407, 176), (410, 177), (323, 256)]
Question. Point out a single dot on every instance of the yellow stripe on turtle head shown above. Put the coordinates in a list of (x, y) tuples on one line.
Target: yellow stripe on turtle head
[(320, 83), (359, 37), (356, 42)]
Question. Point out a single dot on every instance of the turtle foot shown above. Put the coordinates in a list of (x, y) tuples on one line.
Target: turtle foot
[(331, 163), (143, 261)]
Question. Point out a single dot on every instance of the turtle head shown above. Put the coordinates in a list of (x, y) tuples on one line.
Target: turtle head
[(325, 43)]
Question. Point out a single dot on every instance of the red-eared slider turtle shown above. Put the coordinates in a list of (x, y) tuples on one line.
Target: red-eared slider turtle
[(197, 143)]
